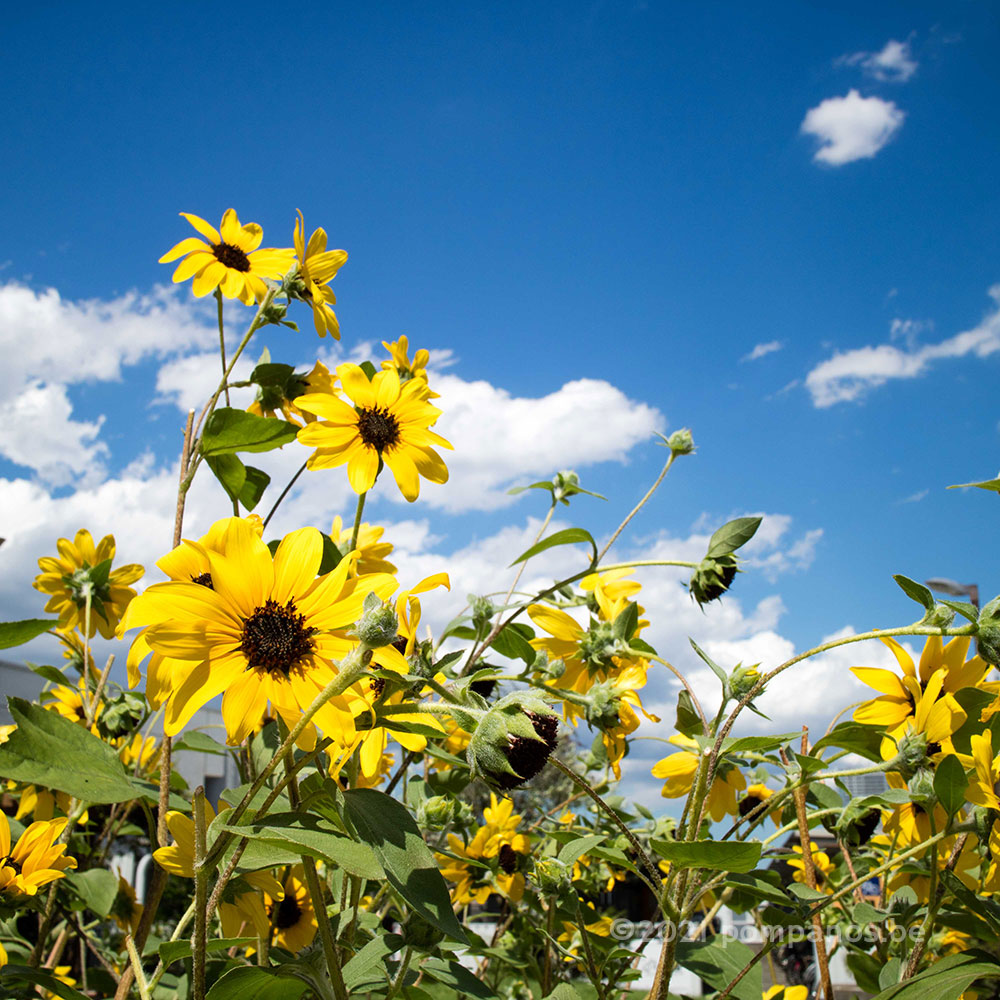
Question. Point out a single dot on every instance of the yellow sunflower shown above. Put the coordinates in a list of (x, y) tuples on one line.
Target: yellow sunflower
[(36, 859), (229, 261), (292, 915), (822, 864), (385, 422), (82, 568), (317, 268), (407, 369), (372, 551), (267, 630)]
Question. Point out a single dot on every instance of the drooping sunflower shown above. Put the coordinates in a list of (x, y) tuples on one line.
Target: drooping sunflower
[(317, 268), (81, 569), (385, 422), (268, 630), (229, 261), (35, 860)]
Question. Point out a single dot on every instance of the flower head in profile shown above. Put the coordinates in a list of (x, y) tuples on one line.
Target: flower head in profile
[(229, 261), (317, 268), (372, 551), (267, 630), (83, 570), (679, 771), (35, 860), (385, 423), (399, 359)]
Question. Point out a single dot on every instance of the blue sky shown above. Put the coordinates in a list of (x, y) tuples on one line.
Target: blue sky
[(771, 225)]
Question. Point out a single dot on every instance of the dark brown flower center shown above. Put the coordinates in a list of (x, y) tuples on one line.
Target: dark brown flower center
[(231, 256), (377, 686), (527, 756), (288, 914), (9, 862), (275, 637), (204, 580), (378, 428), (507, 859)]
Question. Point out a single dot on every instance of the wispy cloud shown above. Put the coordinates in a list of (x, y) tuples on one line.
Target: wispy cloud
[(914, 497), (761, 349), (849, 375), (851, 128), (894, 63)]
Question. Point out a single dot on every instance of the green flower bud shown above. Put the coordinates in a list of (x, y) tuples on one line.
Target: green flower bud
[(743, 680), (512, 741), (437, 812), (681, 442), (921, 787), (988, 636), (565, 484), (603, 705), (713, 578), (274, 313), (121, 716), (482, 607), (551, 876), (418, 933), (911, 752), (378, 624)]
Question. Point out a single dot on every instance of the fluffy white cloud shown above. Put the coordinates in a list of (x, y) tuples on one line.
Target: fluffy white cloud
[(501, 439), (893, 63), (761, 350), (848, 375), (39, 433), (852, 127)]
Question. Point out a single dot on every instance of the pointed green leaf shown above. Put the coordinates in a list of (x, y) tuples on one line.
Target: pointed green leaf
[(17, 633), (387, 827), (716, 855), (732, 535), (947, 979), (716, 669), (950, 784), (688, 720), (512, 642), (964, 608), (568, 536), (228, 430), (719, 961), (271, 374), (988, 484), (40, 977), (915, 591), (249, 982)]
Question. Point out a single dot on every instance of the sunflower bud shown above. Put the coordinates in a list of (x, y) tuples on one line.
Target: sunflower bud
[(437, 812), (911, 752), (681, 442), (378, 624), (418, 933), (713, 578), (921, 787), (512, 741), (551, 876), (603, 705), (743, 680), (988, 636)]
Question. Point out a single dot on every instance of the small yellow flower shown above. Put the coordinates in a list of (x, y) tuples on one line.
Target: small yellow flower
[(372, 551), (36, 859), (292, 914), (786, 993), (407, 369), (679, 770), (385, 422), (229, 261), (82, 568), (317, 268), (822, 865)]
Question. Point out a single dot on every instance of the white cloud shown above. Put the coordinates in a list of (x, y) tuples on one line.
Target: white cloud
[(852, 127), (763, 349), (914, 497), (501, 439), (37, 432), (849, 375), (894, 63)]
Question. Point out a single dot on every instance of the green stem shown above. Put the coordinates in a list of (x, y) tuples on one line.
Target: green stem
[(136, 963), (595, 976), (222, 341), (357, 520), (635, 510), (199, 939), (397, 982)]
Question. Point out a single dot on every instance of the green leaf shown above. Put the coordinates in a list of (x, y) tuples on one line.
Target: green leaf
[(369, 369), (964, 608), (17, 633), (371, 956), (242, 482), (40, 978), (626, 622), (950, 784), (716, 669), (760, 885), (52, 674), (271, 374), (564, 992), (97, 888), (719, 961), (973, 701), (249, 982), (228, 430), (715, 855), (52, 752), (388, 828), (512, 642), (171, 951), (688, 720), (576, 848), (200, 743), (331, 556), (307, 834), (805, 892), (946, 979), (865, 913), (568, 536), (915, 591), (988, 484), (732, 535), (457, 976), (757, 744), (866, 741)]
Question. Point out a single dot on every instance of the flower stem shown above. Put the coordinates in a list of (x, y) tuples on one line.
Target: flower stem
[(222, 341), (357, 520), (635, 510), (199, 939)]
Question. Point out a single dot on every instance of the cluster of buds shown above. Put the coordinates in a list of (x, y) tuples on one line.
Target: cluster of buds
[(513, 741)]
